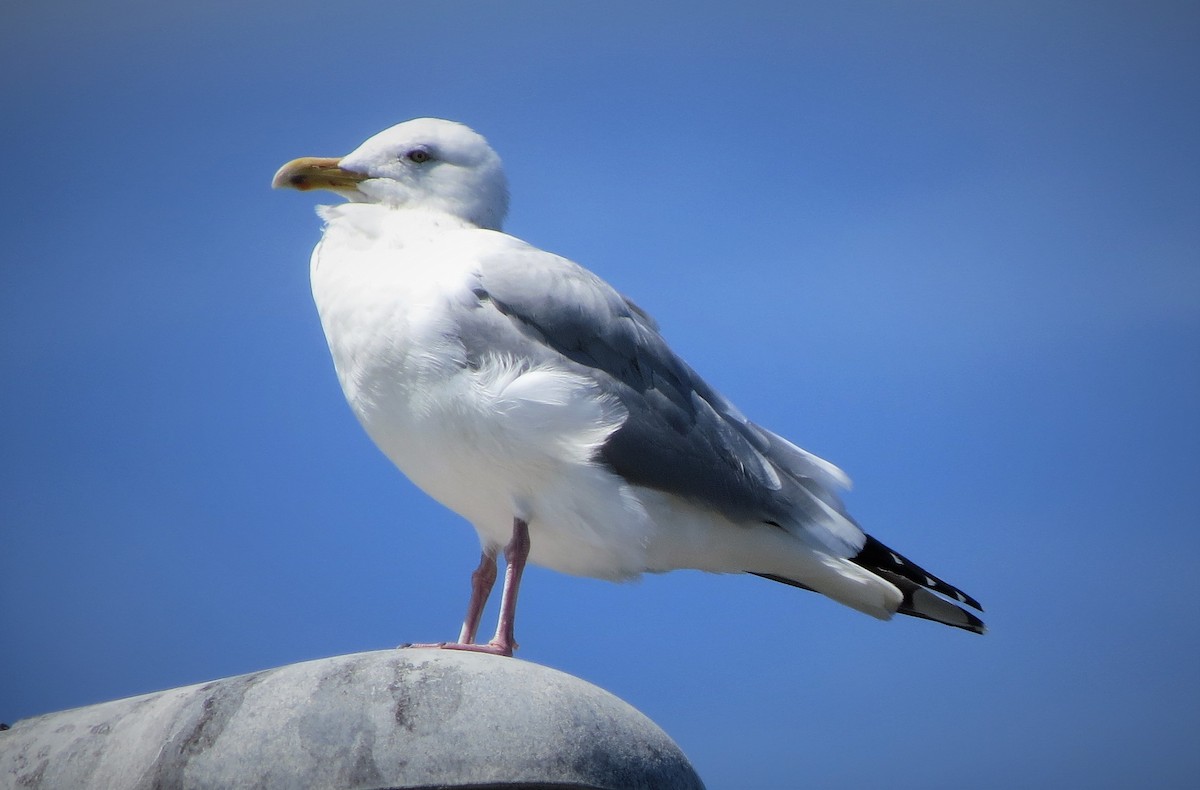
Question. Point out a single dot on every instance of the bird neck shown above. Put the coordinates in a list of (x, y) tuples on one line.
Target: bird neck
[(368, 224)]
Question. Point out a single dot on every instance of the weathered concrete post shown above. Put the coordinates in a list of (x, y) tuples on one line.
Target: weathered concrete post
[(415, 718)]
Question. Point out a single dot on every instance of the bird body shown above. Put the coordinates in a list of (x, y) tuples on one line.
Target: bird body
[(526, 394), (432, 404)]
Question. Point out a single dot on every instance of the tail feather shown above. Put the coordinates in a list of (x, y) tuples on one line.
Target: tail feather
[(920, 589)]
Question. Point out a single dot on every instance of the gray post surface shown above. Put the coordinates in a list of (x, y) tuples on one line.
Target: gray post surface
[(416, 718)]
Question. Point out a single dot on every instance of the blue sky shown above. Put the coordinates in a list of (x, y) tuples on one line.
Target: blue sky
[(952, 247)]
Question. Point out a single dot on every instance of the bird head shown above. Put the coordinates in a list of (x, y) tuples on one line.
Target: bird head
[(427, 164)]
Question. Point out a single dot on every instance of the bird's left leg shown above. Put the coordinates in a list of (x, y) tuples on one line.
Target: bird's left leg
[(482, 582), (483, 579)]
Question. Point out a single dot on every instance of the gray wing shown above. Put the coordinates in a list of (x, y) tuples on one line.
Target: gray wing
[(681, 436)]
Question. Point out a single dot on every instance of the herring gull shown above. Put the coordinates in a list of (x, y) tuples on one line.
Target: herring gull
[(524, 393)]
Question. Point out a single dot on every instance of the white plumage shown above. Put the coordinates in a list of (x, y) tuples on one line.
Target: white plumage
[(524, 393)]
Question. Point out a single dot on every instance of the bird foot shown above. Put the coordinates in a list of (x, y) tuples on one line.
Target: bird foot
[(491, 648)]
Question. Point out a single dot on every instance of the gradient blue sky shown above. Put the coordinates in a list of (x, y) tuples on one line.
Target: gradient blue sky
[(952, 247)]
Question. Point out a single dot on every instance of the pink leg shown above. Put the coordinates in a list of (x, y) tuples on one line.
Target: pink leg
[(503, 643), (515, 554), (482, 581)]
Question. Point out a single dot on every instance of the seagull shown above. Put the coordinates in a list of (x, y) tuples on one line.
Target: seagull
[(524, 393)]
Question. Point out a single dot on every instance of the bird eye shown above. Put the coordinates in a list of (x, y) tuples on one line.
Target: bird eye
[(418, 155)]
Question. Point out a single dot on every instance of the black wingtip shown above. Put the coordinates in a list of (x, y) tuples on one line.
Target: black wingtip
[(917, 602), (973, 624), (876, 557), (921, 602)]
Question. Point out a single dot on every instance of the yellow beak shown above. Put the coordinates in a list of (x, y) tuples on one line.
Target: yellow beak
[(315, 172)]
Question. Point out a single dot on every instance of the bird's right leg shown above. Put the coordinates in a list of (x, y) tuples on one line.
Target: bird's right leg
[(483, 579)]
